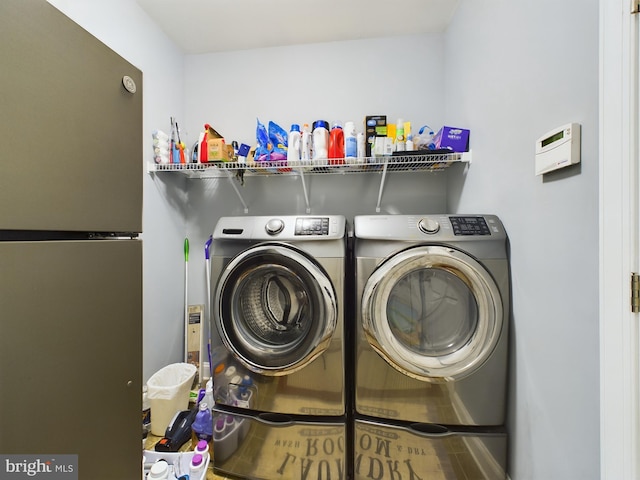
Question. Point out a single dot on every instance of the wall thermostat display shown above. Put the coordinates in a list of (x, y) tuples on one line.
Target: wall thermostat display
[(558, 148)]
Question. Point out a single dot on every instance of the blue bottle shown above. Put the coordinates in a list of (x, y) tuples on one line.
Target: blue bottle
[(202, 426)]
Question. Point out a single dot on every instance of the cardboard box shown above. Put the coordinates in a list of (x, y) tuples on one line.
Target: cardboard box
[(217, 150), (374, 126), (452, 138)]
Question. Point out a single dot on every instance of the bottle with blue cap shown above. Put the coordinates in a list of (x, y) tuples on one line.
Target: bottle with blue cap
[(293, 143), (320, 136)]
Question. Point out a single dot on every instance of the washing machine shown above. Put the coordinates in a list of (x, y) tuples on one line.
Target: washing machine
[(432, 319), (279, 375)]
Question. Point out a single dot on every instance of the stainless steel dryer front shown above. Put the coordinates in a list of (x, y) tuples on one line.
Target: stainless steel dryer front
[(277, 308), (432, 315), (433, 309)]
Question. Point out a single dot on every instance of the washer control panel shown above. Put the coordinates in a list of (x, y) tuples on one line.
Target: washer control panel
[(469, 226), (312, 226)]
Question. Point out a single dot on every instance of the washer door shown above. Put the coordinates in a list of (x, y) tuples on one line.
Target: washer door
[(433, 313), (275, 309)]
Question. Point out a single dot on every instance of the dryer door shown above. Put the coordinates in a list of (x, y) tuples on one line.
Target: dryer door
[(275, 309), (432, 312)]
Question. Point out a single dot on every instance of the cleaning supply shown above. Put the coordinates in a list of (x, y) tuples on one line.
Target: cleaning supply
[(159, 471), (293, 144), (409, 145), (350, 140), (202, 447), (361, 147), (336, 144), (202, 427), (305, 148), (196, 468), (400, 139), (320, 141), (424, 139)]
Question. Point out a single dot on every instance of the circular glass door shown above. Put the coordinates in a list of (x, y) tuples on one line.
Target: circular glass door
[(275, 309), (432, 312)]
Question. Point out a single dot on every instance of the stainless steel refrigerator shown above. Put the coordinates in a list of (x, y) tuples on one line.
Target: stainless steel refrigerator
[(70, 254)]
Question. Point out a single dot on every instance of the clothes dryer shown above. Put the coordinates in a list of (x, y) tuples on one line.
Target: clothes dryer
[(432, 316), (277, 308)]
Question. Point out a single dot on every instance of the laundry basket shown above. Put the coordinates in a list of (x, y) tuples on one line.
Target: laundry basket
[(168, 394)]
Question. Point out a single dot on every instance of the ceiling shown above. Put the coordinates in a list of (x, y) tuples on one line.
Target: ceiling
[(207, 26)]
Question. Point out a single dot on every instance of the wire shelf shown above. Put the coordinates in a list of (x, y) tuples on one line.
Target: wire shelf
[(383, 165), (395, 163)]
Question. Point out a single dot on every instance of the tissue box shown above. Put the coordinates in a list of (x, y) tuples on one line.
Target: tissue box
[(452, 138)]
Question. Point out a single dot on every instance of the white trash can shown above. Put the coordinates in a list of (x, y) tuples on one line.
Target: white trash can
[(168, 393)]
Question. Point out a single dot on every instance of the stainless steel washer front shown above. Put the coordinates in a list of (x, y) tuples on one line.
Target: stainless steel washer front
[(276, 309)]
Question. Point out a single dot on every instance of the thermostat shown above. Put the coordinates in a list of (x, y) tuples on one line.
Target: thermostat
[(558, 148)]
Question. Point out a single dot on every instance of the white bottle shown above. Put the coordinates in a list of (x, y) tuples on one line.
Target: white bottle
[(202, 447), (159, 471), (409, 144), (305, 149), (360, 147), (293, 144), (321, 141), (350, 140), (196, 469)]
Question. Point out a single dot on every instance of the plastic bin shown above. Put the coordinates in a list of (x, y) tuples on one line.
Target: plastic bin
[(168, 393)]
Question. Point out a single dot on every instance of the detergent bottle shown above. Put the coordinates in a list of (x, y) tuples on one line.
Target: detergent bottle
[(293, 144), (336, 144), (320, 140)]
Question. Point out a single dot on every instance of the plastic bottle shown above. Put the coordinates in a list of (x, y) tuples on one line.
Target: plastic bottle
[(159, 471), (360, 146), (202, 447), (305, 150), (202, 426), (409, 144), (400, 140), (350, 140), (219, 428), (196, 468), (320, 140), (208, 395), (293, 144), (336, 144)]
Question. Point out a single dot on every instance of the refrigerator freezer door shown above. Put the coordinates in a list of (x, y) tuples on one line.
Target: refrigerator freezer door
[(71, 353), (72, 133)]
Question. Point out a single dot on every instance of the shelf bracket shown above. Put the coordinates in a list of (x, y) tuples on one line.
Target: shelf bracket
[(232, 180), (382, 180), (304, 190)]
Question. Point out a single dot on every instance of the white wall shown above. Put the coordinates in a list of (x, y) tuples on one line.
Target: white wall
[(514, 71), (333, 81), (126, 28)]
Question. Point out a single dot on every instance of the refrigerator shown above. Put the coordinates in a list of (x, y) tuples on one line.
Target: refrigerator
[(70, 248)]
